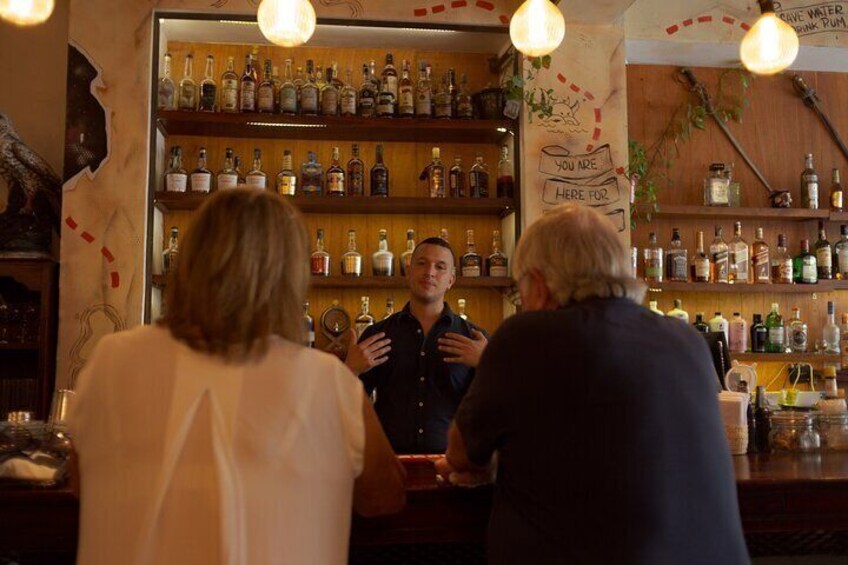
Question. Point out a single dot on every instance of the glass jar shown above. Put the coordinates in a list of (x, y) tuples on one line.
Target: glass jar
[(717, 186), (833, 427), (793, 432)]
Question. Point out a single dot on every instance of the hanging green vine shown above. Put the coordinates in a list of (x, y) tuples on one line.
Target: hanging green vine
[(540, 102)]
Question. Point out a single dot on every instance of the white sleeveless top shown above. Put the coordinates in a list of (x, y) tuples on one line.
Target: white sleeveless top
[(185, 459)]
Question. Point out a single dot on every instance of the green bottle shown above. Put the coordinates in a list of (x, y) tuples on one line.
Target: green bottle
[(776, 331)]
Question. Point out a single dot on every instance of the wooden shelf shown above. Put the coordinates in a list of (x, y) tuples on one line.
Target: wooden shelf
[(276, 126), (786, 357), (383, 282), (683, 212), (502, 207), (822, 286)]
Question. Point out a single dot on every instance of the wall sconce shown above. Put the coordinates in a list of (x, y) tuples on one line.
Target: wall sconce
[(770, 45), (26, 12), (288, 23), (537, 28)]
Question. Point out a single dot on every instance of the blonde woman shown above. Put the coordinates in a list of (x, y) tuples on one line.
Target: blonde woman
[(215, 436), (604, 415)]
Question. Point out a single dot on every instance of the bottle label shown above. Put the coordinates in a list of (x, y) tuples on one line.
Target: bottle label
[(719, 192), (721, 261), (329, 102), (255, 181), (361, 327), (836, 200), (355, 182), (437, 182), (478, 182), (287, 185), (799, 338), (201, 182), (320, 265), (842, 257), (406, 101), (702, 269), (366, 106), (809, 273), (443, 105), (309, 100), (248, 96), (288, 100), (824, 257), (775, 335), (678, 267), (471, 269), (761, 266), (498, 268), (166, 96), (187, 94), (229, 95), (811, 191), (379, 183), (392, 83), (382, 265), (349, 102), (266, 99), (740, 260), (653, 268), (423, 105), (738, 339), (464, 109), (226, 181), (385, 104), (335, 183), (352, 265), (310, 336), (176, 182)]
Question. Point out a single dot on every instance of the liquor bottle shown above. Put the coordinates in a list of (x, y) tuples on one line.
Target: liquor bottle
[(700, 261), (208, 88), (456, 179), (843, 342), (760, 259), (436, 176), (188, 88), (367, 103), (738, 257), (299, 81), (824, 255), (830, 333), (312, 176), (385, 101), (329, 97), (762, 421), (776, 333), (836, 194), (809, 185), (254, 64), (497, 264), (310, 325), (719, 324), (227, 177), (278, 85), (759, 334), (478, 178), (335, 174), (737, 334), (653, 263), (443, 234), (700, 325), (165, 91), (288, 92), (247, 96), (464, 106), (505, 182), (840, 254), (256, 177), (372, 75), (719, 257), (286, 179), (781, 263), (471, 264), (309, 93), (406, 98), (653, 307), (171, 254), (804, 267), (442, 102), (390, 308), (201, 177), (176, 177), (347, 97), (797, 332), (351, 260), (379, 175), (382, 260), (319, 261), (240, 182), (717, 186), (460, 306), (336, 78), (364, 320), (406, 256), (355, 173), (676, 259), (389, 76), (230, 88), (678, 311), (319, 77), (423, 96), (450, 81)]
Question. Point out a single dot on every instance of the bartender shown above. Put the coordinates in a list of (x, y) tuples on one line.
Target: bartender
[(421, 360)]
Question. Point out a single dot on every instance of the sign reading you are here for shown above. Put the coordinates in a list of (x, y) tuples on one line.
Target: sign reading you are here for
[(588, 179)]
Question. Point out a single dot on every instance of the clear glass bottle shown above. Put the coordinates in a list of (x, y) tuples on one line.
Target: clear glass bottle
[(347, 97), (824, 255), (247, 94), (781, 263), (737, 334), (278, 85), (385, 101), (717, 187), (719, 258), (171, 253), (840, 254), (319, 261), (719, 323), (464, 107), (797, 332), (406, 96), (165, 99), (759, 334), (288, 92), (382, 260), (843, 342), (450, 81), (700, 324), (739, 262), (776, 342), (309, 92), (390, 308), (310, 325), (436, 176), (367, 103), (188, 88), (256, 177), (201, 177), (364, 320), (653, 306), (471, 263), (319, 78), (227, 177), (389, 76), (379, 175), (653, 264), (372, 75), (760, 259), (497, 264), (456, 179), (423, 95), (352, 259), (804, 266), (442, 102), (355, 173), (443, 234), (230, 88), (678, 311), (478, 178), (406, 256), (460, 306), (312, 176), (286, 179), (700, 261), (505, 182), (809, 184), (299, 81), (208, 87), (176, 178), (836, 194), (335, 175), (676, 259), (329, 97), (830, 332), (240, 182)]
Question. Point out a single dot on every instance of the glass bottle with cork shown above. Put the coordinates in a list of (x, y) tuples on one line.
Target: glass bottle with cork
[(335, 176), (653, 261), (351, 259), (717, 186), (228, 176), (165, 99), (379, 175), (781, 263), (208, 88), (383, 260), (505, 182), (286, 179), (676, 259), (319, 261), (809, 184), (230, 88), (760, 259), (201, 177), (188, 88), (700, 261)]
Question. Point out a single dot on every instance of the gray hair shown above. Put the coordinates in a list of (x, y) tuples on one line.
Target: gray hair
[(579, 254)]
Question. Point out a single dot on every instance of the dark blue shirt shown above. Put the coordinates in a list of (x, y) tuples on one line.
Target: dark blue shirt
[(417, 392)]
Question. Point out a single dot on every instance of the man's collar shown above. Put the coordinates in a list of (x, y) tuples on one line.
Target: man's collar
[(447, 313)]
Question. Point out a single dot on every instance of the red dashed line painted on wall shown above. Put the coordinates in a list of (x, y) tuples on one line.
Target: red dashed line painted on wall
[(459, 4), (456, 4), (704, 19), (687, 23), (107, 254), (87, 236), (588, 96), (744, 26), (114, 277), (71, 223), (504, 19), (619, 170), (485, 5), (671, 30), (420, 12), (438, 9)]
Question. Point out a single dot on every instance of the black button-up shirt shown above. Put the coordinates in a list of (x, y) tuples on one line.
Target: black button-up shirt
[(417, 392)]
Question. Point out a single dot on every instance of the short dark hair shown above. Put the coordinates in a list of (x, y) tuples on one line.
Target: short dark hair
[(435, 241)]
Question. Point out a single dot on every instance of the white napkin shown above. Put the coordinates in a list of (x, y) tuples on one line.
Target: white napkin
[(24, 469), (734, 408)]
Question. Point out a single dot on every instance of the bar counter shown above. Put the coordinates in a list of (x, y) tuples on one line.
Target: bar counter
[(777, 494)]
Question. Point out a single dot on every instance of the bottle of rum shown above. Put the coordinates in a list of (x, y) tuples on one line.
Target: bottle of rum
[(406, 256), (310, 325), (390, 308), (505, 182), (471, 263), (319, 78), (355, 173), (824, 255), (781, 263), (320, 260), (351, 260), (759, 335), (312, 176), (288, 92), (761, 262), (188, 88), (809, 185), (286, 179), (456, 179), (738, 257), (256, 177), (464, 106), (830, 333), (804, 267), (460, 306), (247, 98), (389, 77), (700, 324), (165, 91), (678, 311), (423, 97), (364, 320), (653, 266), (337, 80), (443, 234), (700, 261), (383, 260), (406, 97), (230, 88), (379, 175), (278, 85), (171, 254), (201, 177), (497, 264), (840, 254), (240, 182), (436, 176), (676, 259), (329, 97), (227, 177), (367, 103), (385, 101), (720, 258), (176, 177), (208, 88), (335, 174), (797, 332), (347, 102), (265, 90), (835, 191), (309, 92), (478, 178), (737, 334)]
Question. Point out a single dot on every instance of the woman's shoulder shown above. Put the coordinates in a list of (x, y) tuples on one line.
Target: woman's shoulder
[(304, 358)]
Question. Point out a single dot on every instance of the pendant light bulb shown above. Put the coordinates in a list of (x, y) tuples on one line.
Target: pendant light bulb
[(287, 23), (26, 12), (770, 46), (537, 28)]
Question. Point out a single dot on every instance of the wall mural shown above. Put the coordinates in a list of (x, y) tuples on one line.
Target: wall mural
[(86, 131), (86, 323)]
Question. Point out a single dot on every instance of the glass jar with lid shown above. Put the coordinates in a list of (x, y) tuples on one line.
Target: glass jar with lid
[(793, 431), (833, 428), (717, 186)]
